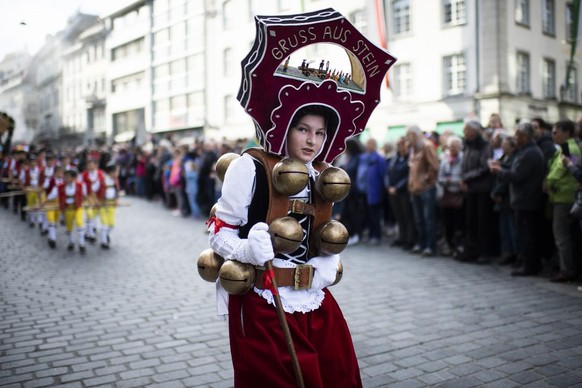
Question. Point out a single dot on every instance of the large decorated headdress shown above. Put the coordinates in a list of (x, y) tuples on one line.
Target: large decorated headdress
[(271, 91)]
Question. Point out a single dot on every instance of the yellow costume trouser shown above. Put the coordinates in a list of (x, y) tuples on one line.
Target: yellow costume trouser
[(92, 213), (107, 214), (73, 215), (32, 200), (76, 216), (52, 215)]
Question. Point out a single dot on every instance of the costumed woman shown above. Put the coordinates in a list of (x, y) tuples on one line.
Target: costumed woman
[(302, 124)]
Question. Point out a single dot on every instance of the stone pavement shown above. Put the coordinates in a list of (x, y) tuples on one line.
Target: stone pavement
[(139, 315)]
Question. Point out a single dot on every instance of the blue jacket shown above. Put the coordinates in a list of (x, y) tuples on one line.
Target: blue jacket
[(372, 167)]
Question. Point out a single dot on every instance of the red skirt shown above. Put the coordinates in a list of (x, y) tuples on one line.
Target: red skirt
[(322, 342)]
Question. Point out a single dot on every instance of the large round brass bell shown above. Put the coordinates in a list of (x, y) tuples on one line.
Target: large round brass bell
[(290, 176), (333, 184), (331, 238), (236, 277), (223, 162), (339, 274), (286, 234), (209, 263)]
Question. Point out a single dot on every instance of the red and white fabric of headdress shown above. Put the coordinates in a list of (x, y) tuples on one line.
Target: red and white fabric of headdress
[(271, 92)]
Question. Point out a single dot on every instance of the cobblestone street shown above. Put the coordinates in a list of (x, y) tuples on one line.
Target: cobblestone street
[(139, 314)]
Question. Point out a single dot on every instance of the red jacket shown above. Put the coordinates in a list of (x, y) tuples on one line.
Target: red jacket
[(87, 181), (78, 195), (27, 176), (102, 188)]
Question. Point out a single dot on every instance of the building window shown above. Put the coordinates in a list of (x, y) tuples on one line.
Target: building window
[(572, 90), (454, 12), (226, 62), (548, 19), (523, 73), (229, 107), (401, 16), (455, 74), (228, 14), (359, 21), (402, 81), (522, 12), (571, 35), (549, 78)]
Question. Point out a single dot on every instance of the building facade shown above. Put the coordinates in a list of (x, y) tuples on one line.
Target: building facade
[(158, 67), (492, 56), (85, 86), (17, 95)]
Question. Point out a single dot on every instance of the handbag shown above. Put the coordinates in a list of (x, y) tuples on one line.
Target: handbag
[(576, 210), (451, 200)]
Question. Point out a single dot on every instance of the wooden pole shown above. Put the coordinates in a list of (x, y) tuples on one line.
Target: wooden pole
[(285, 327)]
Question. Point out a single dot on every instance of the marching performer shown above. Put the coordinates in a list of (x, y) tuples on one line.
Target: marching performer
[(30, 179), (46, 175), (274, 215), (108, 195), (93, 179), (71, 204), (51, 186)]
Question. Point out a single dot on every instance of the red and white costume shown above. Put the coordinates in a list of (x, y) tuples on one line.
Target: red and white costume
[(320, 334)]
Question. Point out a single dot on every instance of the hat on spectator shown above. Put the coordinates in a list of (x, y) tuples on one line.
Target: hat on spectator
[(271, 91)]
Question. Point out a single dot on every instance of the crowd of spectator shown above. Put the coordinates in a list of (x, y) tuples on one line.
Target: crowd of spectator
[(494, 195)]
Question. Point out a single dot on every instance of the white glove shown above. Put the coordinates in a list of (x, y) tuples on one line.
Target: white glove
[(325, 270), (259, 247)]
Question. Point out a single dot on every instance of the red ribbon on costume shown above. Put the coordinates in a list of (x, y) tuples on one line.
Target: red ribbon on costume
[(268, 277), (219, 224)]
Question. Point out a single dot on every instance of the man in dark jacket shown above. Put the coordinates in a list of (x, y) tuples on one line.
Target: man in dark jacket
[(481, 245), (543, 139), (525, 179)]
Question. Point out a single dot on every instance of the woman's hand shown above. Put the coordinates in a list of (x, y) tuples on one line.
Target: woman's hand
[(325, 270), (259, 244)]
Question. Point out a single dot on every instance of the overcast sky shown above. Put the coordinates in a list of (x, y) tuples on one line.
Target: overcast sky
[(41, 17)]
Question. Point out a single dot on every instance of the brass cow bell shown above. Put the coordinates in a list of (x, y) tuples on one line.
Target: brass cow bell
[(209, 263), (223, 162), (333, 184), (286, 234), (331, 238), (290, 176), (236, 277), (339, 274)]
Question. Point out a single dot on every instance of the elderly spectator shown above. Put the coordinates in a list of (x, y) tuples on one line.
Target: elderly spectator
[(422, 179), (370, 181), (543, 138), (399, 197), (500, 194), (525, 179), (450, 180), (481, 244), (562, 187)]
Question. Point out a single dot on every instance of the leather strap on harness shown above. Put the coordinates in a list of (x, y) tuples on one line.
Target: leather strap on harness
[(280, 204)]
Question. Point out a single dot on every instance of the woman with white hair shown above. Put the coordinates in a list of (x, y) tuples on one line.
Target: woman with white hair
[(452, 202)]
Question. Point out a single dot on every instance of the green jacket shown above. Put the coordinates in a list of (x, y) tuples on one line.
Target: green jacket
[(562, 185)]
